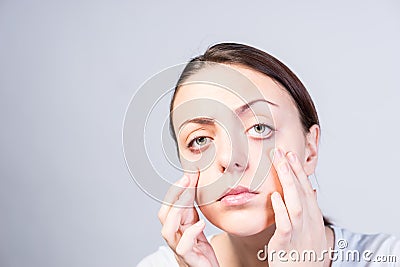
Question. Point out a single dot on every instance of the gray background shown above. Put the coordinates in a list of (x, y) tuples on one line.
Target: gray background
[(67, 73)]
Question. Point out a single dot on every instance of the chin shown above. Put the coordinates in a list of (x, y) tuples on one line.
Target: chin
[(246, 229)]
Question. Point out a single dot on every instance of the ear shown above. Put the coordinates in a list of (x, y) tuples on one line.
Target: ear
[(311, 151)]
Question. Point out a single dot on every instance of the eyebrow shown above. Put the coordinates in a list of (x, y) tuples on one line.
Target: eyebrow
[(239, 110), (247, 106), (200, 120)]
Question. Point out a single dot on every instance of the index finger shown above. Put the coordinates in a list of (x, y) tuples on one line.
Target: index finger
[(188, 180), (172, 195), (289, 185)]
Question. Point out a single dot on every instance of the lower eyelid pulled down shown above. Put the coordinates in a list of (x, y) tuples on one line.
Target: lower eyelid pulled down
[(190, 144), (199, 149)]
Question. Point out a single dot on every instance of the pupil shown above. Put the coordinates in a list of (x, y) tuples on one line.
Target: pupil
[(259, 128)]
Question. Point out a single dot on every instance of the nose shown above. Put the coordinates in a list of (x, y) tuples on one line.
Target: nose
[(232, 154)]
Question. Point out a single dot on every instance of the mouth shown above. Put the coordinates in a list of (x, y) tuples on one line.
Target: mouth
[(237, 196)]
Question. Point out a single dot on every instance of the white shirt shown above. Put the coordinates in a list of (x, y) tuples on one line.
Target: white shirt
[(351, 249)]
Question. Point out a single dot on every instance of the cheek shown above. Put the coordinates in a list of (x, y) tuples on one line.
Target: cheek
[(292, 139), (271, 184), (211, 186), (194, 162), (208, 176), (263, 168), (259, 164)]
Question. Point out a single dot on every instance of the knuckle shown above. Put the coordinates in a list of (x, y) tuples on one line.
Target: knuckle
[(165, 234), (297, 212), (285, 231)]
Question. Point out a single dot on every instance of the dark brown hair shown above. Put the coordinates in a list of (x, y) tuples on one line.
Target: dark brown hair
[(260, 61)]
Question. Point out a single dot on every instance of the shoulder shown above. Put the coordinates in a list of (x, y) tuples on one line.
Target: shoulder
[(366, 249), (163, 257)]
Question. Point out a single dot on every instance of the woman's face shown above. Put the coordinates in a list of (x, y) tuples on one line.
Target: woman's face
[(236, 146)]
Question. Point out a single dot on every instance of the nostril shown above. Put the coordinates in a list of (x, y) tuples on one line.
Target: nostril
[(238, 166)]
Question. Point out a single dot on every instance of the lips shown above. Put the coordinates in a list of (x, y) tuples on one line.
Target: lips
[(237, 196)]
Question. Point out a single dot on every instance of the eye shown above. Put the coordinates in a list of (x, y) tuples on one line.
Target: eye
[(260, 131), (199, 142)]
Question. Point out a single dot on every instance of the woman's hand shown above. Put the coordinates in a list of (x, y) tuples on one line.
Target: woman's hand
[(298, 219), (181, 226)]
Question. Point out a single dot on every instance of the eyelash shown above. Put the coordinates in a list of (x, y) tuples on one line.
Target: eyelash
[(198, 150)]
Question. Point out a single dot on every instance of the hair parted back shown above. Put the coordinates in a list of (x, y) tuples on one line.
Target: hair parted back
[(260, 61)]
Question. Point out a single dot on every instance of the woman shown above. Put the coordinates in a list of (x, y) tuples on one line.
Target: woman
[(247, 154)]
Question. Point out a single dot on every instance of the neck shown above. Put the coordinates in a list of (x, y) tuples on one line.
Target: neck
[(247, 249)]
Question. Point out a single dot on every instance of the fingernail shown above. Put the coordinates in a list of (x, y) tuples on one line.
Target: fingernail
[(275, 196), (292, 157), (271, 154)]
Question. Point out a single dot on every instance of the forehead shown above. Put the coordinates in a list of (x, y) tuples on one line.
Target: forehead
[(230, 88)]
